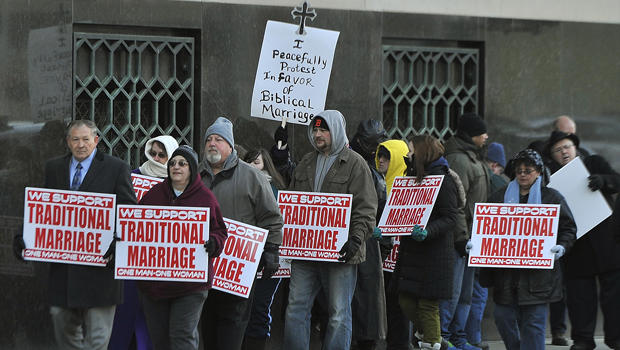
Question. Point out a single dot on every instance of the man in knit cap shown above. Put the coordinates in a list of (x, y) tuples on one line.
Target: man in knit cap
[(464, 154), (245, 195), (333, 168)]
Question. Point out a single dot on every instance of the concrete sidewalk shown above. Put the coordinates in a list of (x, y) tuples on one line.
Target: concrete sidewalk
[(499, 345)]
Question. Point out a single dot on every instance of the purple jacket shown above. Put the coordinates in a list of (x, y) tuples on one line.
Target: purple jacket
[(195, 195)]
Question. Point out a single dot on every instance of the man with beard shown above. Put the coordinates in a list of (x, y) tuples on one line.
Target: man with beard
[(245, 195)]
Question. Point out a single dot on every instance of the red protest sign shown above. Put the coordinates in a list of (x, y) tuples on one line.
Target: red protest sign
[(514, 235), (390, 262), (67, 226), (316, 225), (161, 243), (142, 184), (409, 203), (236, 267)]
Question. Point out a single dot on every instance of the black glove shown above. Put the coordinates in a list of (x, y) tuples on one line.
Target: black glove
[(270, 260), (109, 254), (281, 134), (385, 247), (211, 248), (460, 248), (18, 246), (349, 249), (596, 182)]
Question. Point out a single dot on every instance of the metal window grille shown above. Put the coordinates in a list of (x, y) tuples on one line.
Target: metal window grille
[(425, 89), (134, 88)]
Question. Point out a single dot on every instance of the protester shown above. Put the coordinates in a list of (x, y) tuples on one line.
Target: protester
[(129, 322), (368, 309), (521, 295), (597, 247), (173, 309), (425, 260), (244, 195), (259, 326), (282, 156), (83, 298), (464, 154), (330, 168)]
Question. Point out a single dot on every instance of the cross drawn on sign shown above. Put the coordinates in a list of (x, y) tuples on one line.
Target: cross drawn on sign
[(303, 14)]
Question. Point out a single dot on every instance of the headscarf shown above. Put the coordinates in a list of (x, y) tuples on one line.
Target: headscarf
[(152, 167)]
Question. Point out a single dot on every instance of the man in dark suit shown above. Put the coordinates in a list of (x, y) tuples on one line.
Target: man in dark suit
[(83, 298)]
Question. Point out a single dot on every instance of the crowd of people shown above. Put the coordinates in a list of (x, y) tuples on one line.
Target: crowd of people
[(432, 299)]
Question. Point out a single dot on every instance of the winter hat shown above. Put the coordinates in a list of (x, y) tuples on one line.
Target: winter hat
[(557, 136), (530, 156), (190, 155), (222, 127), (495, 153), (472, 124), (319, 122)]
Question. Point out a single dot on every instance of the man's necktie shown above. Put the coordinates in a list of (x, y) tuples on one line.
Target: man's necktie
[(77, 178)]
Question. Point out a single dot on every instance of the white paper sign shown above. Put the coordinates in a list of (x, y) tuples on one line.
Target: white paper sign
[(70, 227), (589, 208), (390, 262), (408, 204), (293, 73), (142, 184), (161, 243)]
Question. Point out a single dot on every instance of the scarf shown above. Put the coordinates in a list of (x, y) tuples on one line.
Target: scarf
[(512, 193)]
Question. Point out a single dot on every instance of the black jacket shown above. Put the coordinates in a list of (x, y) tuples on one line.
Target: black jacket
[(425, 269), (532, 286)]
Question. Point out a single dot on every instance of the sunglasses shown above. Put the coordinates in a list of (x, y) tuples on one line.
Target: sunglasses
[(525, 171), (182, 163), (160, 154)]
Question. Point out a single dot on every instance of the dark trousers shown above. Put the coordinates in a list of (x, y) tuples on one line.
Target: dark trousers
[(224, 320), (557, 310), (260, 318), (399, 329), (583, 299)]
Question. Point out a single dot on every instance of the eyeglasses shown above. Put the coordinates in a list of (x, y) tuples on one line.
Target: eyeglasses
[(525, 171), (562, 148), (160, 154), (181, 163)]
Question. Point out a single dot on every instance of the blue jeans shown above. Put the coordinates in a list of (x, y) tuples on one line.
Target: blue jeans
[(522, 327), (260, 317), (455, 311), (474, 321), (338, 282)]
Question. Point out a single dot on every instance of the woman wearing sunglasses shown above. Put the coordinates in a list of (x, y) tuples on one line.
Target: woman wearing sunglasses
[(157, 151)]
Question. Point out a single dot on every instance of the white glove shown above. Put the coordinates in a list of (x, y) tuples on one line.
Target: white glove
[(469, 246), (558, 250)]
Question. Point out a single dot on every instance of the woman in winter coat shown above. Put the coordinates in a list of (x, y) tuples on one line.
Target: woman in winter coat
[(173, 309), (157, 151), (521, 295), (425, 262)]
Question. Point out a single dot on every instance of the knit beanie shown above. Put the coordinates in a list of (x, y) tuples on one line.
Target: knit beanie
[(496, 153), (190, 155), (222, 127), (472, 124), (319, 122)]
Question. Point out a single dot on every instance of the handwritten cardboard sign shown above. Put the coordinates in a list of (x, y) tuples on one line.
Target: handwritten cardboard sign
[(514, 235), (390, 262), (409, 203), (161, 243), (316, 225), (67, 226), (142, 184), (236, 267), (293, 73)]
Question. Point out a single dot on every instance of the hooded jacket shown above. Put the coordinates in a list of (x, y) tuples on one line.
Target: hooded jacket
[(398, 151), (194, 195), (347, 173)]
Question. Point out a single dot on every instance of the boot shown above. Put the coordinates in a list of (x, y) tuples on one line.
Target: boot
[(428, 346), (251, 343)]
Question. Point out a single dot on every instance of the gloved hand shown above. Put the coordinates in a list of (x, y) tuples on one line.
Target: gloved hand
[(558, 250), (469, 246), (349, 249), (281, 134), (270, 260), (109, 254), (18, 246), (376, 233), (596, 182), (211, 248), (419, 233), (385, 247)]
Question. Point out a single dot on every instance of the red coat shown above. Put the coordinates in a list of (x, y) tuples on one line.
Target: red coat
[(195, 195)]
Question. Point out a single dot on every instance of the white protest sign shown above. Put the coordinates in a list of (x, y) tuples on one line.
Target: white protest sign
[(514, 235), (390, 262), (161, 243), (285, 269), (588, 208), (293, 72), (68, 226), (316, 225), (236, 267), (142, 184), (409, 203)]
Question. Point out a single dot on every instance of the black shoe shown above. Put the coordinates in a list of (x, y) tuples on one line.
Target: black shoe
[(581, 346), (559, 340), (482, 345)]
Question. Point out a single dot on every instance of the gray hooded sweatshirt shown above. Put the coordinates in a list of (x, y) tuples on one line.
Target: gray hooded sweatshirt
[(337, 128)]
